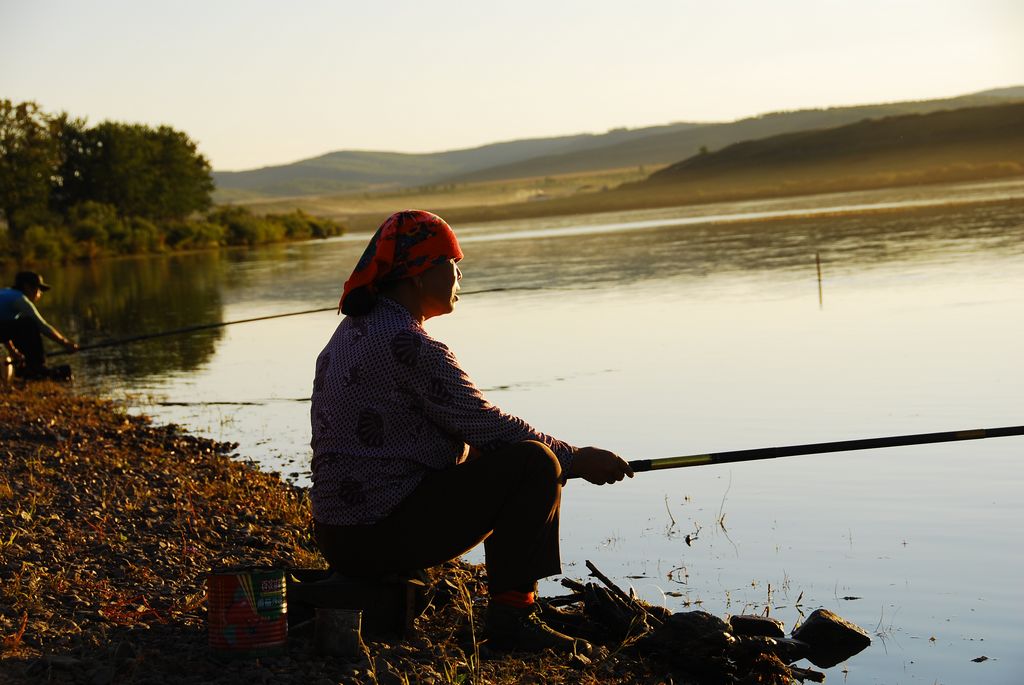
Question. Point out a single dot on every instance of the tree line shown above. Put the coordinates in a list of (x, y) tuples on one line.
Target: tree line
[(71, 191)]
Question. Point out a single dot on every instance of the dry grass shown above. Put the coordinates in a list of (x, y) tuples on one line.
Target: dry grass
[(363, 211)]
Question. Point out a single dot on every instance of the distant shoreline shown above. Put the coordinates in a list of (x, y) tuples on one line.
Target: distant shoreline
[(625, 199), (362, 224), (359, 226)]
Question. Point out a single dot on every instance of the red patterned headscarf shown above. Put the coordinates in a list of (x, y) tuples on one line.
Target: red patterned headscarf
[(406, 244)]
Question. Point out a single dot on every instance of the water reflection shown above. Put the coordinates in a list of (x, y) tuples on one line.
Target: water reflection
[(117, 299), (122, 298), (846, 243)]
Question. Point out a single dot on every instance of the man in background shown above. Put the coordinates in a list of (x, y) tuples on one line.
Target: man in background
[(22, 328)]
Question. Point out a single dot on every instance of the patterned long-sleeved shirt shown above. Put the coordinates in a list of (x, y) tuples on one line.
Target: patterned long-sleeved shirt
[(390, 404)]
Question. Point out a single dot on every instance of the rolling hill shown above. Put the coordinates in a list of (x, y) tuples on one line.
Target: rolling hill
[(968, 136), (669, 147), (360, 171), (974, 143)]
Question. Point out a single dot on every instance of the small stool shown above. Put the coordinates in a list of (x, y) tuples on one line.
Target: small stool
[(389, 605)]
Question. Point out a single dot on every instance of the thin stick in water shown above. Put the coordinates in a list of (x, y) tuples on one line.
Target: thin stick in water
[(817, 261)]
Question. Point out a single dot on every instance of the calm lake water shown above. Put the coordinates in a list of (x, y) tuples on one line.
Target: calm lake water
[(679, 331)]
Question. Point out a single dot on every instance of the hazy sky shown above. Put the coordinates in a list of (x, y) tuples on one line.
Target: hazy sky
[(257, 83)]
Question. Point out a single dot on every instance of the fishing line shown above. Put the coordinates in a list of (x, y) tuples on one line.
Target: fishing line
[(207, 326)]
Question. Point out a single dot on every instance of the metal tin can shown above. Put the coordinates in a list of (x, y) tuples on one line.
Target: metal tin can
[(247, 613)]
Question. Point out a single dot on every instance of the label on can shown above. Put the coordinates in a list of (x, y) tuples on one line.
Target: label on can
[(247, 613)]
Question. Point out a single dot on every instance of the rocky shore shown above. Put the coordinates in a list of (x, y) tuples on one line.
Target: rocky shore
[(109, 525)]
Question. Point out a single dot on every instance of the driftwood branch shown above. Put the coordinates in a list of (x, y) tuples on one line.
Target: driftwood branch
[(594, 571), (573, 585), (630, 601)]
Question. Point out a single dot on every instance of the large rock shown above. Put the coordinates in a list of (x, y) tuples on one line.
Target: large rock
[(832, 639), (752, 624)]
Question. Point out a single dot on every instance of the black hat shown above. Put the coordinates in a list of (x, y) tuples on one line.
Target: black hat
[(31, 279)]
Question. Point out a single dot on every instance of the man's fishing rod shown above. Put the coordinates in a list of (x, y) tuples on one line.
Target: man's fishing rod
[(756, 454), (220, 324), (186, 329)]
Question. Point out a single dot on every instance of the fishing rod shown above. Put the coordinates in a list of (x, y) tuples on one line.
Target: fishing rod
[(756, 454), (221, 324), (187, 329)]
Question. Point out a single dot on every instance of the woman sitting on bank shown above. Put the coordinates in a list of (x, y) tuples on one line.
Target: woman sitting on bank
[(412, 466)]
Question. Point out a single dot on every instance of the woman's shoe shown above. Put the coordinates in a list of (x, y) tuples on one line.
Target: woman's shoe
[(512, 628)]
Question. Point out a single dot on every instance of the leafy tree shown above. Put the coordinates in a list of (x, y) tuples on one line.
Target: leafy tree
[(30, 156), (156, 174), (242, 227), (68, 191)]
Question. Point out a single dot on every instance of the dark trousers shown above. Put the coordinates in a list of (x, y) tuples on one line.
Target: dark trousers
[(508, 499), (24, 334)]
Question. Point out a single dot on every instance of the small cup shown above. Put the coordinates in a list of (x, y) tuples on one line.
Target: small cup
[(337, 632)]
